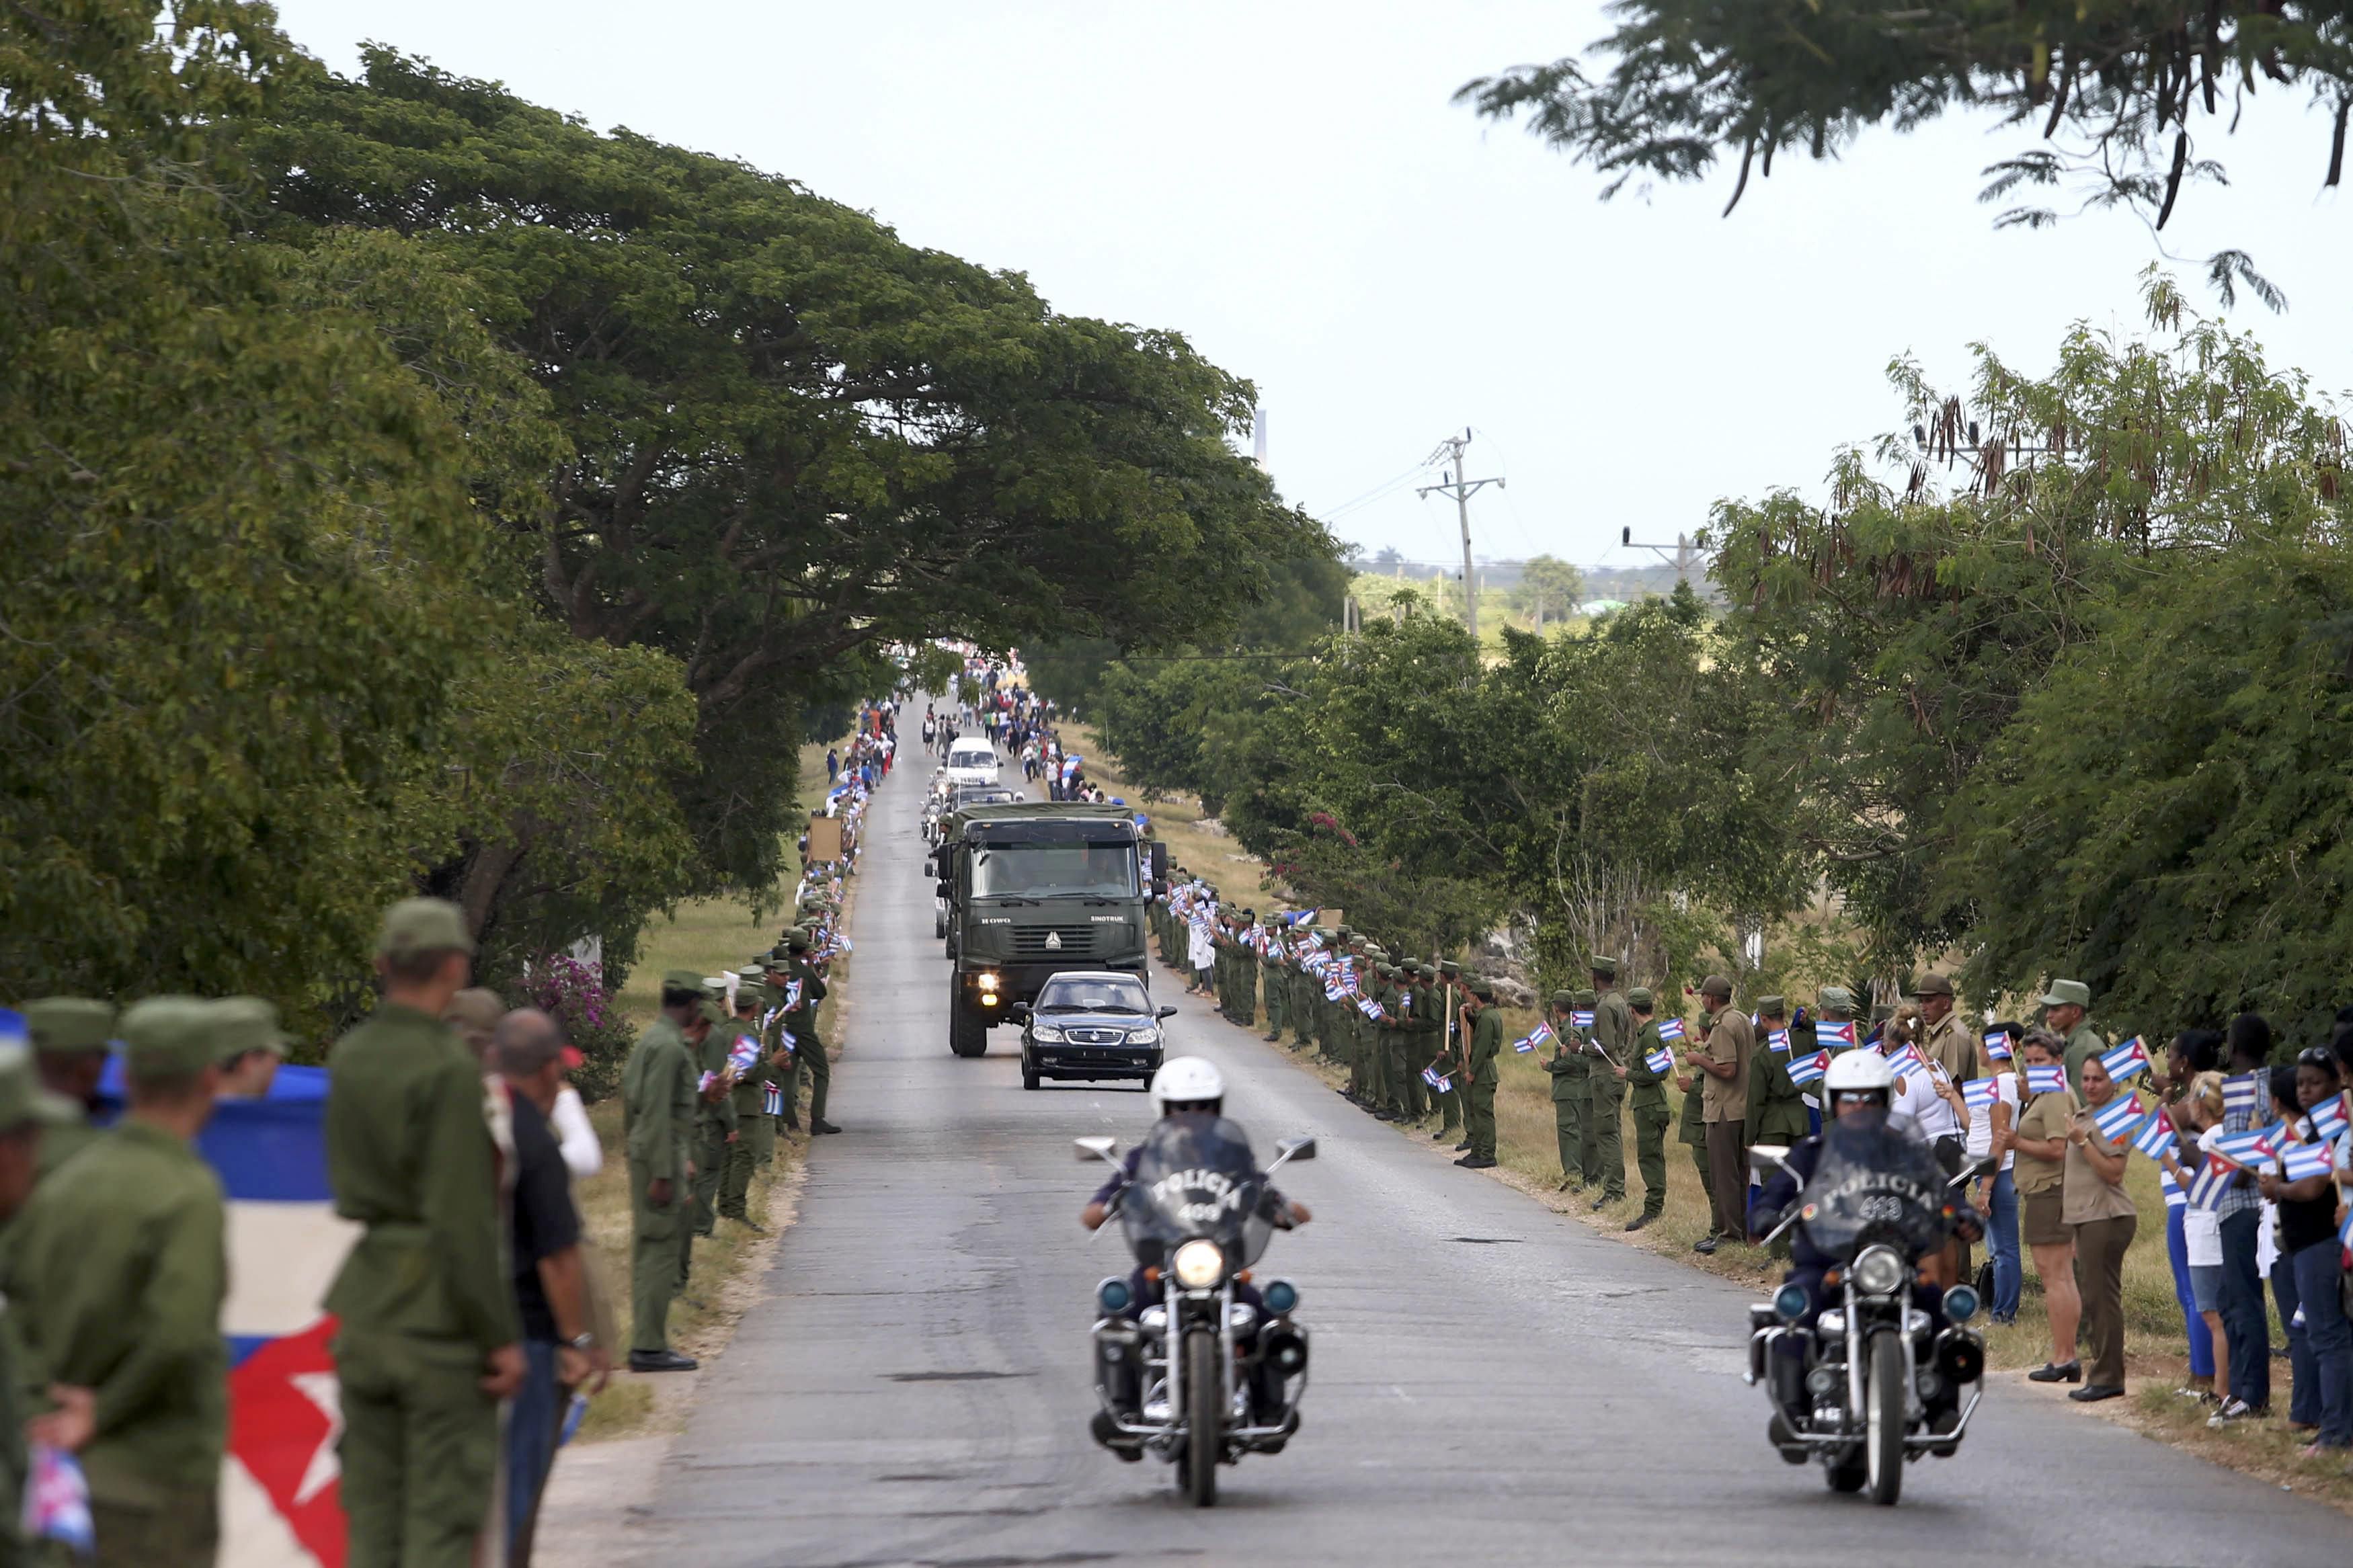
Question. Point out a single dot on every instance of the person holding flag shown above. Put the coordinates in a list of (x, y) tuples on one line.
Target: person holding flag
[(1611, 1042), (2199, 1115), (1993, 1103), (1567, 1068), (1777, 1105), (2312, 1256), (1483, 1025), (2040, 1143), (2102, 1217), (1724, 1060), (1648, 1067)]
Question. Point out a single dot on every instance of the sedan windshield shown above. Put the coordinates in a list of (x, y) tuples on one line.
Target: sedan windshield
[(1045, 871), (1063, 994)]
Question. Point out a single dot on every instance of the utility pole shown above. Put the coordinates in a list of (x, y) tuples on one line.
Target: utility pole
[(1684, 559), (1451, 451)]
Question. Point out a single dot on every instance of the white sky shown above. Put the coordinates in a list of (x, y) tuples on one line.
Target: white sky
[(1289, 187)]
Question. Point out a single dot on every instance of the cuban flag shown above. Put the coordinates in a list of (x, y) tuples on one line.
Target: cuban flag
[(2345, 1232), (1661, 1061), (1835, 1036), (2045, 1080), (1996, 1046), (56, 1502), (2298, 1161), (2328, 1119), (1369, 1007), (2126, 1059), (744, 1057), (1430, 1076), (1539, 1036), (772, 1100), (1979, 1093), (1581, 1018), (1332, 991), (2251, 1148), (2238, 1093), (1671, 1030), (2154, 1136), (1907, 1062), (2174, 1196), (1777, 1042), (1804, 1070), (2207, 1187), (2119, 1116)]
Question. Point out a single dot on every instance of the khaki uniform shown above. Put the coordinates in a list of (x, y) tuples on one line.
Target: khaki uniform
[(116, 1277), (424, 1297), (1724, 1107), (1951, 1045)]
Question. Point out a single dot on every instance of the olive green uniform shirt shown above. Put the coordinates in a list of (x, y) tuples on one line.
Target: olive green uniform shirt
[(1487, 1046), (2083, 1044), (409, 1156), (658, 1101), (62, 1141), (1613, 1029), (115, 1285), (1777, 1106), (1648, 1089)]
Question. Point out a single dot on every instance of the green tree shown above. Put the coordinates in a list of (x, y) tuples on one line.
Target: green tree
[(2113, 89), (1549, 589), (795, 437)]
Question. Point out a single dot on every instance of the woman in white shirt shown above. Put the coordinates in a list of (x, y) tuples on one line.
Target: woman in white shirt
[(1989, 1131), (2201, 1228)]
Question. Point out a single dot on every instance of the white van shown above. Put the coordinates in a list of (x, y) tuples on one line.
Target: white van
[(972, 761)]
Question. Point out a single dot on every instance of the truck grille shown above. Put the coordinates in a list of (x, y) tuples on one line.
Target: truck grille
[(1073, 942)]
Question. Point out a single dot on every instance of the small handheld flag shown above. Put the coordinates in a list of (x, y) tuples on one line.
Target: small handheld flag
[(1334, 990), (1539, 1036), (2045, 1080), (1996, 1046), (2126, 1059), (743, 1056), (1835, 1036), (1671, 1030), (1661, 1061), (57, 1501), (2207, 1187), (2243, 1147), (1581, 1018), (1804, 1070), (2238, 1093), (1908, 1061), (2298, 1161), (1979, 1092), (2119, 1116), (2174, 1196), (1777, 1042), (2328, 1119), (2154, 1136), (1370, 1008)]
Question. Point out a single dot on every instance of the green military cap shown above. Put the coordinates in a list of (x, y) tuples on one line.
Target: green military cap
[(1837, 997), (1249, 914), (1482, 987), (776, 959), (1447, 967), (1715, 986), (1388, 971), (1564, 999), (1934, 984), (68, 1025), (1324, 933), (1588, 999), (1772, 1006), (1604, 965), (796, 940), (423, 925), (1639, 999), (2067, 992), (1412, 966), (168, 1037), (242, 1024), (21, 1097), (712, 1012), (1344, 932), (682, 980)]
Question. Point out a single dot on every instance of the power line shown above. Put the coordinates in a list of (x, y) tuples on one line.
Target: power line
[(1461, 489)]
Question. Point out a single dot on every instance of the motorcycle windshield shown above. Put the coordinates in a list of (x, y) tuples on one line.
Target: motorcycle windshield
[(1196, 1176), (1873, 1185)]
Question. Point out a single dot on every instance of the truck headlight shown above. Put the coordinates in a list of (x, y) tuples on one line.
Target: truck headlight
[(1199, 1264)]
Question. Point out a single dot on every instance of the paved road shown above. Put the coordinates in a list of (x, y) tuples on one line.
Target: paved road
[(1491, 1382)]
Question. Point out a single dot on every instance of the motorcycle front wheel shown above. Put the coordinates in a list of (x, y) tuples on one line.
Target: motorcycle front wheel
[(1883, 1443), (1204, 1417)]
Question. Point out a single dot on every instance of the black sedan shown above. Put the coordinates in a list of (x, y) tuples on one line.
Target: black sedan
[(1090, 1023)]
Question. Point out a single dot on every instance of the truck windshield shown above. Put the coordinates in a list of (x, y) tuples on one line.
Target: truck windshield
[(1099, 869)]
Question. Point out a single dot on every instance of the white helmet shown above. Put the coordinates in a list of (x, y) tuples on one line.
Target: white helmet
[(1858, 1071), (1187, 1080)]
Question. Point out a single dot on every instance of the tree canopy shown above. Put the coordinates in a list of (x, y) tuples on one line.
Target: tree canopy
[(2127, 99)]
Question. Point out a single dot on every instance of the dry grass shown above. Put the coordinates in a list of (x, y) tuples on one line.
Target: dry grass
[(1178, 822), (705, 935)]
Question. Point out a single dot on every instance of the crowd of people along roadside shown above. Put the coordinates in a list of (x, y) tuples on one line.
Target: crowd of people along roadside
[(468, 1317), (2255, 1152), (1021, 723)]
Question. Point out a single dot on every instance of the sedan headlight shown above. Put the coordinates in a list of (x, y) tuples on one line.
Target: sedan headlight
[(1878, 1272), (1199, 1264), (1144, 1036), (1046, 1034)]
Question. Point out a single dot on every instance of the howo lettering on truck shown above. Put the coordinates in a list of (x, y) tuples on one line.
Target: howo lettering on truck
[(1034, 888)]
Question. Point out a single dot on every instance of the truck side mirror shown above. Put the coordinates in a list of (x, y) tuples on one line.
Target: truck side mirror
[(1159, 865), (942, 887)]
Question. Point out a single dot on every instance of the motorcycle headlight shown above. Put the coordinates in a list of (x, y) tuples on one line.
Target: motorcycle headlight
[(1046, 1034), (1280, 1296), (1199, 1264), (1112, 1295), (1878, 1272), (1144, 1036), (1791, 1301)]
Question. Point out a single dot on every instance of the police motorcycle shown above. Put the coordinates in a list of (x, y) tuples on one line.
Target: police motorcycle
[(1866, 1371), (1201, 1368)]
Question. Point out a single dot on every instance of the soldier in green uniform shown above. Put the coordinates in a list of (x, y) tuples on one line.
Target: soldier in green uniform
[(1452, 1118), (1647, 1099), (658, 1126), (1568, 1067), (1414, 1093), (784, 1065), (802, 1022), (755, 1133), (1307, 996), (1391, 1037), (2066, 1012), (117, 1271), (428, 1341), (1484, 1027), (1776, 1113), (1336, 1045), (27, 1113), (715, 1111), (1271, 975), (68, 1036), (1693, 1131), (1613, 1038)]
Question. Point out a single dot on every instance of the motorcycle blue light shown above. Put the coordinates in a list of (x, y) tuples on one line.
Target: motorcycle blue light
[(1961, 1303), (1113, 1297), (1280, 1296), (1790, 1303)]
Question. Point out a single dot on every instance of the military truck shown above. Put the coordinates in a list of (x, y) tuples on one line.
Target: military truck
[(1034, 888)]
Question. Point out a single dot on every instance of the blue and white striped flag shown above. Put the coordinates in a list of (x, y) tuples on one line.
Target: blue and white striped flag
[(1580, 1019), (1369, 1007), (1980, 1092), (2126, 1059), (2238, 1093), (1777, 1042), (1661, 1061), (2207, 1187), (2298, 1161), (1996, 1046), (2119, 1116), (2328, 1119), (1835, 1036), (1671, 1030), (2154, 1136), (1804, 1070), (1436, 1080), (2045, 1080)]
